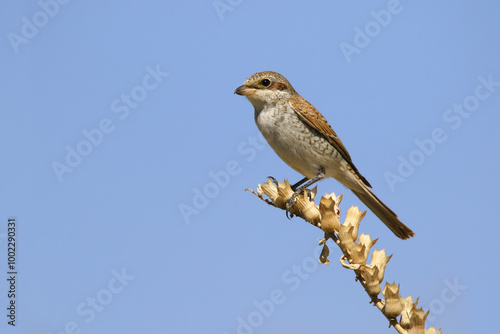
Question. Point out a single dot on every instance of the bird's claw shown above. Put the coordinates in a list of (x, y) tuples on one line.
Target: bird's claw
[(273, 179), (288, 205)]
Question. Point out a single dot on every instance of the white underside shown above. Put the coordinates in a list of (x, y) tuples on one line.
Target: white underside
[(299, 147)]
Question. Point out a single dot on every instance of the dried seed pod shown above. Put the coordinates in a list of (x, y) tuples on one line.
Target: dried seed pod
[(353, 218), (330, 222), (380, 260), (417, 321), (307, 209), (323, 257), (408, 305), (371, 283), (359, 252), (346, 240), (432, 330), (284, 192), (393, 305), (271, 191)]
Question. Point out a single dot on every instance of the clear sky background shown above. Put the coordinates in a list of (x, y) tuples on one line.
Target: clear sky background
[(116, 116)]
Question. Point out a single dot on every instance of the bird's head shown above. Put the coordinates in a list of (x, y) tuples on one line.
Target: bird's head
[(265, 88)]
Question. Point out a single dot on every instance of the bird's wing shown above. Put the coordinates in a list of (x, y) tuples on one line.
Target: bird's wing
[(312, 117)]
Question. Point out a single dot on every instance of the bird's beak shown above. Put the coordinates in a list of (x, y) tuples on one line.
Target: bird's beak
[(244, 90)]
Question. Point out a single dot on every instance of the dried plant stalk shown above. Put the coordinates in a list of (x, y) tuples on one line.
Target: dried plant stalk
[(402, 313)]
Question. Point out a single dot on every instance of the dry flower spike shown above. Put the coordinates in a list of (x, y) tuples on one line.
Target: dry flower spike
[(355, 251)]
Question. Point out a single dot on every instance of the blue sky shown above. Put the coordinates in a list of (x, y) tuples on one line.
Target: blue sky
[(117, 117)]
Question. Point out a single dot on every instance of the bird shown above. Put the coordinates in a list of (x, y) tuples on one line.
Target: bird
[(306, 142)]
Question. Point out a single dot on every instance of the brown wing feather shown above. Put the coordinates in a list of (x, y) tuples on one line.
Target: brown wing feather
[(312, 117)]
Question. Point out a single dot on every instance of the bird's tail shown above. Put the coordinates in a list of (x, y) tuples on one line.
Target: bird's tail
[(382, 211)]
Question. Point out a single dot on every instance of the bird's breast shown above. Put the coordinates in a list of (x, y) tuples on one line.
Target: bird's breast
[(296, 143)]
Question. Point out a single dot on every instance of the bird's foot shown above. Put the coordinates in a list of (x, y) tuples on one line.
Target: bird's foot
[(288, 205), (291, 201)]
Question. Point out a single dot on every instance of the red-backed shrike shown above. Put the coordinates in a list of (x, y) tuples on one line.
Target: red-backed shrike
[(302, 138)]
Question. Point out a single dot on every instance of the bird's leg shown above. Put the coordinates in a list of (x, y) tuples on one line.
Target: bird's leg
[(294, 187), (291, 200)]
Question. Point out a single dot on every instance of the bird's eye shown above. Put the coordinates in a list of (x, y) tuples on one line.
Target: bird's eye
[(265, 82)]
